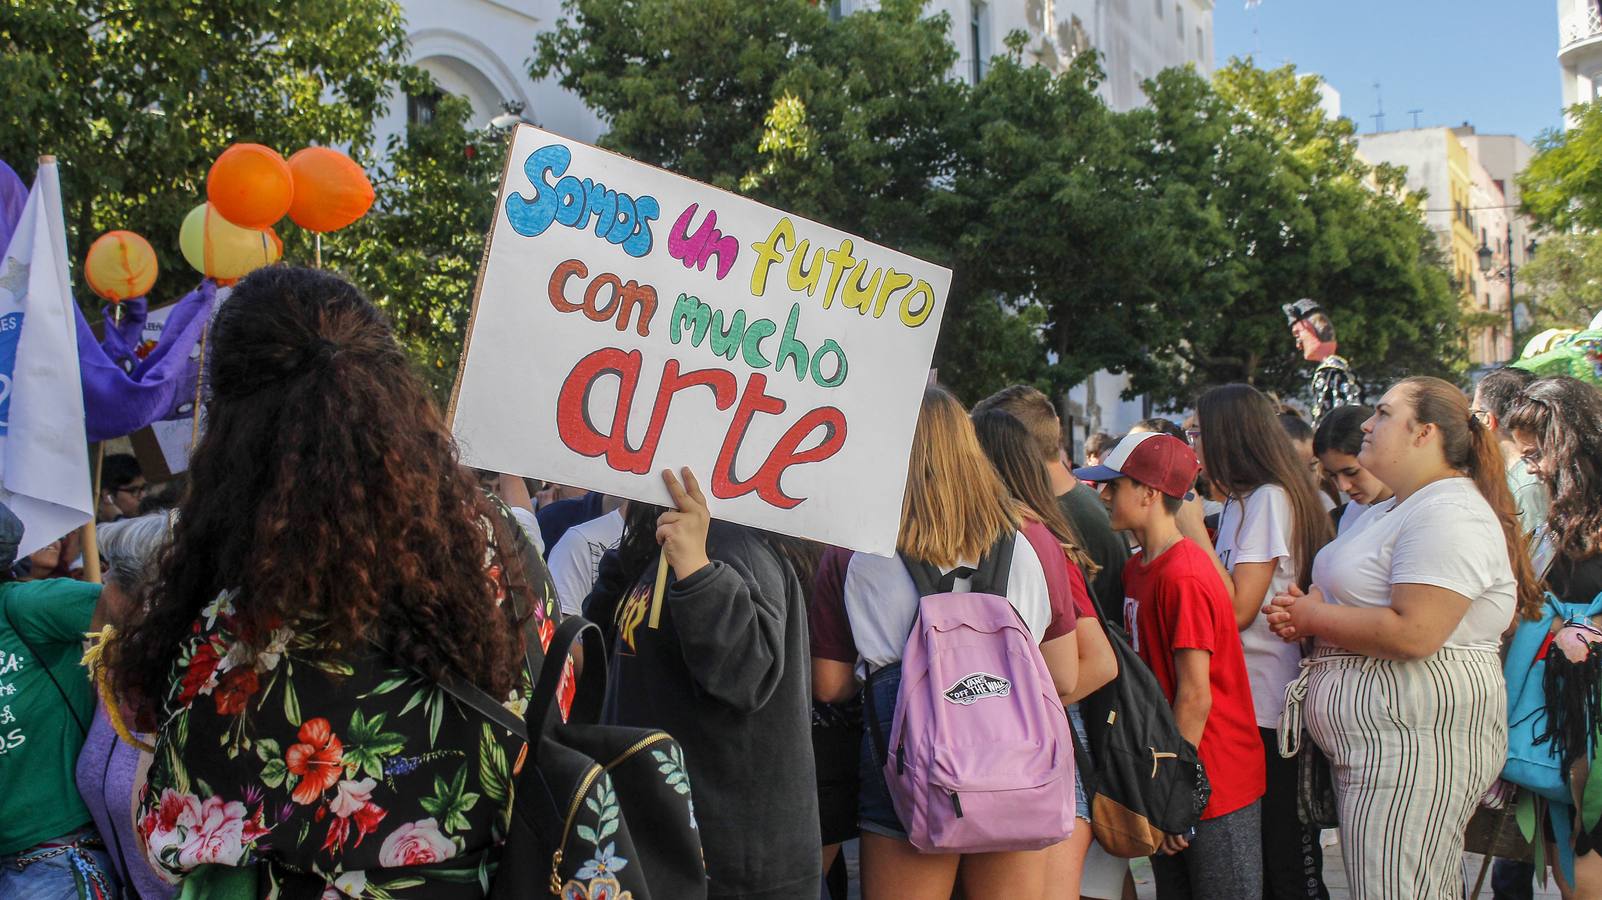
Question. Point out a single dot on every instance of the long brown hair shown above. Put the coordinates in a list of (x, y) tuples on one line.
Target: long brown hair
[(1471, 448), (326, 490), (1008, 445), (956, 507), (1564, 416), (1245, 448)]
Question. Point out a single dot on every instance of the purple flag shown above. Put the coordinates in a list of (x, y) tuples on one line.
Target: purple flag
[(13, 196), (119, 401)]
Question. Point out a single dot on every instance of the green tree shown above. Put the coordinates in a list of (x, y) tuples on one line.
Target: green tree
[(137, 97), (1562, 284), (844, 121), (417, 252), (1562, 185)]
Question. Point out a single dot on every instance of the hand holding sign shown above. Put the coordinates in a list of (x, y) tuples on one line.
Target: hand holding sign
[(682, 532)]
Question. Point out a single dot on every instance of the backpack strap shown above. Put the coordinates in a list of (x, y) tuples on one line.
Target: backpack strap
[(995, 567), (989, 577)]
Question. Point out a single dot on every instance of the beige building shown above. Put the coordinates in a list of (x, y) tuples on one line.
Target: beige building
[(1467, 178)]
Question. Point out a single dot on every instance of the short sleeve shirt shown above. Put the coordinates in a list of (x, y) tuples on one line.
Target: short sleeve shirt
[(39, 730), (1444, 535), (1179, 602), (1259, 529), (864, 606), (576, 558)]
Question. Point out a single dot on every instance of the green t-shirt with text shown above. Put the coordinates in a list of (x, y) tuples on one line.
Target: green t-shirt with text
[(40, 736)]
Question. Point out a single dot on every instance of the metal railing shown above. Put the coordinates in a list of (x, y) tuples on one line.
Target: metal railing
[(1578, 28)]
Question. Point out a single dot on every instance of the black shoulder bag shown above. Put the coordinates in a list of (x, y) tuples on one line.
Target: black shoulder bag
[(600, 806)]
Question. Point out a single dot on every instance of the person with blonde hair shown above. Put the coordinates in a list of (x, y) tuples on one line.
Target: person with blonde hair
[(1404, 689), (956, 509)]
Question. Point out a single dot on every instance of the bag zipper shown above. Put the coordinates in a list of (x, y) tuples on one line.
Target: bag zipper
[(585, 784), (956, 803)]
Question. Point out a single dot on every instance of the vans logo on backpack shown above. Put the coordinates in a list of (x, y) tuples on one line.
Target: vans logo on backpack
[(978, 686)]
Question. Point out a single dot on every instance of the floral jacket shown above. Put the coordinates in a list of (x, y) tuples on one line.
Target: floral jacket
[(347, 776)]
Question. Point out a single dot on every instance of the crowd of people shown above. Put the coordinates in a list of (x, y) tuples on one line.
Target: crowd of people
[(265, 709)]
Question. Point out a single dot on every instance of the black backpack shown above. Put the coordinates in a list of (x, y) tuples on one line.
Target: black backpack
[(602, 808), (1143, 778)]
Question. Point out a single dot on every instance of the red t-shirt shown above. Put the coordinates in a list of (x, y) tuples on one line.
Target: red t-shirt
[(1067, 579), (1179, 602)]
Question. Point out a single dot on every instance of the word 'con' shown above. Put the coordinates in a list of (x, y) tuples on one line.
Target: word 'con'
[(745, 339), (848, 277), (622, 298), (580, 434), (619, 218)]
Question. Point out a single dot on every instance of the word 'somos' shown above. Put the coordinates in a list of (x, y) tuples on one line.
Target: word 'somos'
[(619, 218)]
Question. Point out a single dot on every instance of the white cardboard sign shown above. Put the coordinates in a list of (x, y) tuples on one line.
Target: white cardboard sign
[(629, 320)]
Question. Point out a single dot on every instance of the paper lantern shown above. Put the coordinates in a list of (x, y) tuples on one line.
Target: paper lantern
[(250, 185), (331, 191), (120, 265), (222, 250)]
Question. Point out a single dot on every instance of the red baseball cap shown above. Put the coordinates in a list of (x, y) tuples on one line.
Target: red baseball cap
[(1158, 460)]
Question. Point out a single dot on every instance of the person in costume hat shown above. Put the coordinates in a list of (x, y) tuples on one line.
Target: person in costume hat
[(1333, 382)]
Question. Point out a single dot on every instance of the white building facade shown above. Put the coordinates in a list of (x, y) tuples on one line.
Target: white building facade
[(1580, 50)]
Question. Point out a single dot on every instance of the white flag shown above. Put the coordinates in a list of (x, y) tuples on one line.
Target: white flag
[(44, 459)]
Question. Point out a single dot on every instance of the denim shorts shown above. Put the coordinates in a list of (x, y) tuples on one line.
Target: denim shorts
[(875, 812), (1081, 802)]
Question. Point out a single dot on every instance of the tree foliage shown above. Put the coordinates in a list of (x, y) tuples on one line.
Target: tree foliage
[(137, 97), (1562, 186), (1562, 284), (1160, 242)]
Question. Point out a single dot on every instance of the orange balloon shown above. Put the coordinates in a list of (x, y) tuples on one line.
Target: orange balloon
[(120, 265), (331, 191), (251, 186)]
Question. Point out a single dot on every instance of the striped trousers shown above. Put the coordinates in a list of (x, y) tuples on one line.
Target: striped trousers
[(1413, 747)]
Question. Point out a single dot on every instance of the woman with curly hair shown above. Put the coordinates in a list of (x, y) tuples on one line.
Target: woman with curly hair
[(1556, 424), (330, 565)]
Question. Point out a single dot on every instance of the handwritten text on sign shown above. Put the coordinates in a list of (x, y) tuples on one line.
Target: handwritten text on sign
[(630, 320)]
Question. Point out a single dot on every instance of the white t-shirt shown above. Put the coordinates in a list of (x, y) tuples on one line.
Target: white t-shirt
[(577, 556), (881, 601), (529, 524), (1445, 535), (1350, 515), (1254, 531)]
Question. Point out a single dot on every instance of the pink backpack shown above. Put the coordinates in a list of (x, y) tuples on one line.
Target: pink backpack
[(980, 756)]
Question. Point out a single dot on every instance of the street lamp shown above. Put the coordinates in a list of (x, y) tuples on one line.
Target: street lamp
[(1487, 259)]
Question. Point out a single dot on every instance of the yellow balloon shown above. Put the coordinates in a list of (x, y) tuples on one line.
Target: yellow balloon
[(222, 250)]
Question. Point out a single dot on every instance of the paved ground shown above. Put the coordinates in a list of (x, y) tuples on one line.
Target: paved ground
[(1334, 876)]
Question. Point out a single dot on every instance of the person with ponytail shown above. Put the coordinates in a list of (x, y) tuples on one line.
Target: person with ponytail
[(1336, 443), (1008, 445), (1272, 526), (956, 510), (1404, 689), (331, 564), (1556, 425)]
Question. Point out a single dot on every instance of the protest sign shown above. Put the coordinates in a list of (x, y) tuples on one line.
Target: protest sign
[(629, 320)]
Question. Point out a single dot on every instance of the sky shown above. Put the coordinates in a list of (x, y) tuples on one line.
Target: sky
[(1492, 63)]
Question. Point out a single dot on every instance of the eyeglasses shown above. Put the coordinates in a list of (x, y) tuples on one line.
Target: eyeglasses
[(1191, 434), (1532, 456), (137, 490)]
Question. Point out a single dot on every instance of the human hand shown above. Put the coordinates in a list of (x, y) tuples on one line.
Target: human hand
[(682, 531), (1173, 843), (1292, 615), (1192, 519)]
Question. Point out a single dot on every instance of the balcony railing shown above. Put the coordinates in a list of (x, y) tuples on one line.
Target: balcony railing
[(1577, 28)]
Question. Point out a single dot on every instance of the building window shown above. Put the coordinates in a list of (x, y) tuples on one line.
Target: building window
[(420, 107), (976, 36), (1487, 301), (1179, 22), (1159, 9), (1201, 44)]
